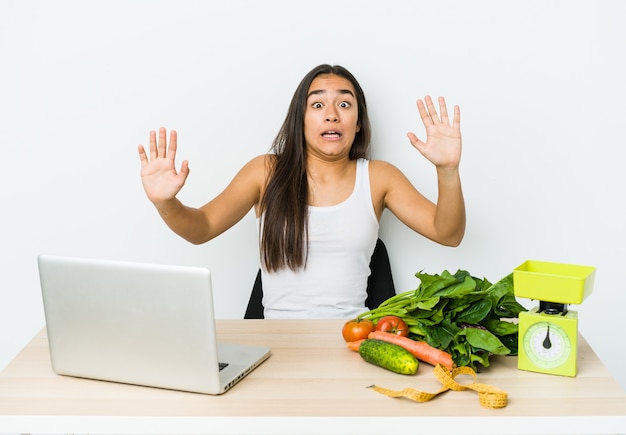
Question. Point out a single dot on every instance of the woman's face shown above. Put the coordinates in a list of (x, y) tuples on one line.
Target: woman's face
[(331, 118)]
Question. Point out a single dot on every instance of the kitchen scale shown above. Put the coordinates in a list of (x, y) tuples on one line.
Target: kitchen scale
[(548, 334)]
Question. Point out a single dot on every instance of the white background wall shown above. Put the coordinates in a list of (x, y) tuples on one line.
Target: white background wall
[(540, 85)]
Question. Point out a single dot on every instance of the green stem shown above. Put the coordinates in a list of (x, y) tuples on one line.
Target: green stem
[(389, 309), (396, 298)]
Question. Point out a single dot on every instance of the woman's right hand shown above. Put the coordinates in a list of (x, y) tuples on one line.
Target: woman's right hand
[(158, 173)]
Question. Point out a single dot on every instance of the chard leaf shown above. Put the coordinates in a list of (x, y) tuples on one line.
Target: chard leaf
[(500, 327), (476, 312), (458, 289), (501, 288), (431, 284), (508, 306), (429, 321), (459, 304), (460, 353), (461, 275), (479, 357), (503, 296), (485, 340), (428, 304), (418, 313), (482, 284), (443, 333), (511, 341)]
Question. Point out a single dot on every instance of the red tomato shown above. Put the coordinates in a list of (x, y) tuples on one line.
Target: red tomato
[(357, 329), (394, 325)]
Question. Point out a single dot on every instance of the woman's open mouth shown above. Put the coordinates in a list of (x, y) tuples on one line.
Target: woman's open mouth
[(331, 134)]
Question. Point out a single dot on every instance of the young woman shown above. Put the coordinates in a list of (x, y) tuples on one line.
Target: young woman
[(317, 197)]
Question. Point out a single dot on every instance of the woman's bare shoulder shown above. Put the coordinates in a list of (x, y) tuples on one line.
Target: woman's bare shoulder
[(261, 159), (257, 170), (385, 178), (384, 169), (260, 164)]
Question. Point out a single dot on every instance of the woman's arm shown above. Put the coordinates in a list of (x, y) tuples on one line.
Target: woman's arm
[(162, 183), (443, 222)]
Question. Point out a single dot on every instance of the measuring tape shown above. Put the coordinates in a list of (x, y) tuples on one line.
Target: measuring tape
[(488, 396)]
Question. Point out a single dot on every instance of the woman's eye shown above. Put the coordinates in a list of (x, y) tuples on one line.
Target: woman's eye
[(344, 104), (317, 105)]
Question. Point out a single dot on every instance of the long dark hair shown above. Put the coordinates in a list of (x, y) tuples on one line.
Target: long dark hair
[(284, 234)]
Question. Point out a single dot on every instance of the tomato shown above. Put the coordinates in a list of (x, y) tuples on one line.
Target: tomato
[(357, 329), (394, 325)]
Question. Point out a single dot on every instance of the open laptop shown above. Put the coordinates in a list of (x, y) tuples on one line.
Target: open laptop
[(138, 323)]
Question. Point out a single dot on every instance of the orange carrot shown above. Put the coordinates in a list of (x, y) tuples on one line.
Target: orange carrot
[(420, 349), (354, 345)]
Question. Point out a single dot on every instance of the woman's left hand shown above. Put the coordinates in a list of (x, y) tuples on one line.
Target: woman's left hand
[(443, 140)]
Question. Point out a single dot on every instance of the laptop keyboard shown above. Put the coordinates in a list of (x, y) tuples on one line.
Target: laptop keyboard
[(222, 365)]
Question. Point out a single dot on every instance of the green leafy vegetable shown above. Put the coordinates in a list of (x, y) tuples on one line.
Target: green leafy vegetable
[(460, 314)]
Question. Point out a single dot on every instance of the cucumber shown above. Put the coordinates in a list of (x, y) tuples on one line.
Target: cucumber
[(388, 356)]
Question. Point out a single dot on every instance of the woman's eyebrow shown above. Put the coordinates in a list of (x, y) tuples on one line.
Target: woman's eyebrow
[(323, 91)]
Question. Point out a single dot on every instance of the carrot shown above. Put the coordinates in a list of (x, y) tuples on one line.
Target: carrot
[(354, 345), (420, 349)]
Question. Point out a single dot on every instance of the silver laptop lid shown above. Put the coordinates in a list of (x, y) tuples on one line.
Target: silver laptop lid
[(136, 323)]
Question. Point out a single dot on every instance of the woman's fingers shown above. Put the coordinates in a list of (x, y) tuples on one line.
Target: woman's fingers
[(444, 111), (426, 119), (142, 155), (153, 147), (432, 112), (427, 111), (159, 147), (171, 151), (429, 115), (456, 122), (161, 143)]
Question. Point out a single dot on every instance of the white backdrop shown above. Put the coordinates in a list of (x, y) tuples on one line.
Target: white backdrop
[(540, 85)]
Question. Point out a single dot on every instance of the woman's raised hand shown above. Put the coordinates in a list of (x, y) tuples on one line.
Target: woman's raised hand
[(443, 139), (158, 173)]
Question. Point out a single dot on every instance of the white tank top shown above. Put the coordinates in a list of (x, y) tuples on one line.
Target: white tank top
[(333, 284)]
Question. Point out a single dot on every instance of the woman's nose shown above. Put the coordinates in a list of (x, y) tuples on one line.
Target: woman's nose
[(332, 115)]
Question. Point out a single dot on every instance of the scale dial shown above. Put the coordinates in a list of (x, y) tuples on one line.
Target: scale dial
[(547, 345)]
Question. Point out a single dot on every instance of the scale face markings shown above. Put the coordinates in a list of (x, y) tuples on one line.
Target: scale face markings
[(547, 345)]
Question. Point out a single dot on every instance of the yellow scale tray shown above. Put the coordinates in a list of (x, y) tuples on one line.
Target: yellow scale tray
[(553, 282)]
